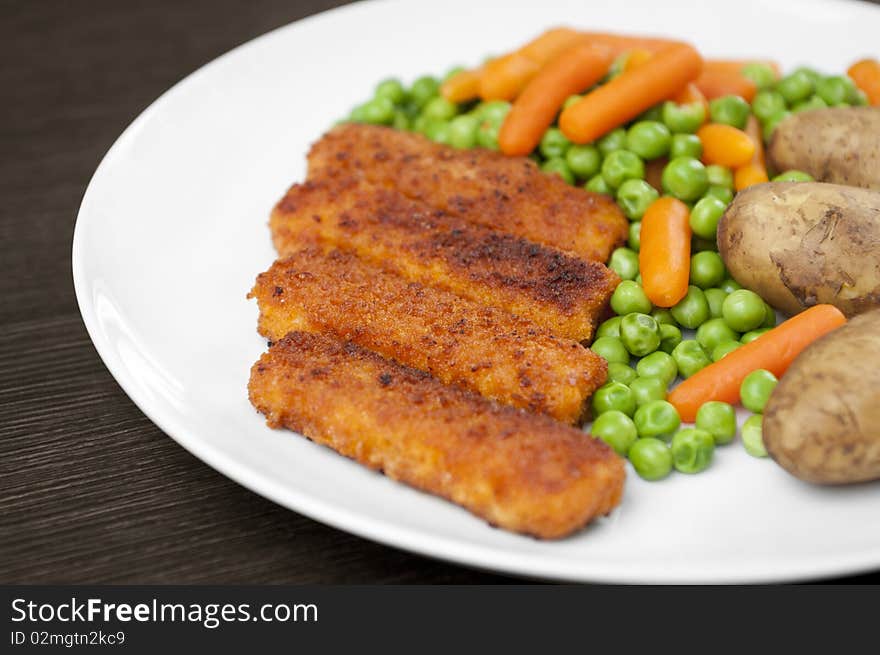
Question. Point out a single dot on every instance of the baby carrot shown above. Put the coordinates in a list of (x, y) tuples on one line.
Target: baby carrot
[(576, 69), (715, 84), (620, 43), (503, 78), (866, 75), (755, 172), (462, 86), (735, 66), (725, 145), (665, 253), (636, 58), (773, 350), (631, 93)]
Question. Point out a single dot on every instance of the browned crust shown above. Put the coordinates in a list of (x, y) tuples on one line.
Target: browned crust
[(519, 471), (501, 356), (510, 194), (556, 290)]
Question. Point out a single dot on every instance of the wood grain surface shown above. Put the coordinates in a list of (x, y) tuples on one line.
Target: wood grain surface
[(90, 490)]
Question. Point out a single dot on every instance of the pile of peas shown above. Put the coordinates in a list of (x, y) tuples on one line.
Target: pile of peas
[(646, 347)]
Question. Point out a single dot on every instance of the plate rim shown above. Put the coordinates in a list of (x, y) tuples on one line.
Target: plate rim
[(393, 533)]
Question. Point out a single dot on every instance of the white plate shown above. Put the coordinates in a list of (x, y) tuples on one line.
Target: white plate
[(172, 232)]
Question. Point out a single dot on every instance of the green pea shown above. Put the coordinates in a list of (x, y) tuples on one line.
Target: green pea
[(597, 184), (715, 298), (625, 263), (713, 332), (648, 139), (634, 240), (616, 429), (611, 349), (391, 89), (762, 75), (730, 110), (610, 328), (705, 216), (640, 334), (743, 310), (378, 111), (692, 310), (719, 176), (685, 145), (654, 113), (723, 194), (623, 373), (629, 297), (719, 420), (835, 89), (729, 285), (766, 103), (751, 335), (647, 389), (769, 317), (683, 118), (634, 197), (813, 102), (400, 121), (614, 140), (570, 100), (795, 87), (557, 165), (670, 337), (651, 458), (583, 160), (423, 89), (859, 98), (494, 111), (554, 143), (656, 418), (692, 450), (772, 121), (463, 131), (440, 108), (723, 349), (793, 176), (756, 388), (611, 396), (621, 165), (487, 134), (663, 315), (707, 269), (685, 178), (690, 358), (753, 437), (658, 365)]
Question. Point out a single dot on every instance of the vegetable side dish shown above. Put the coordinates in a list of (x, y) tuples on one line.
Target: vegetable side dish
[(442, 228)]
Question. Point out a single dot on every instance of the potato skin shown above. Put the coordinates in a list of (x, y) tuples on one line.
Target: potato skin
[(822, 422), (798, 244), (839, 145)]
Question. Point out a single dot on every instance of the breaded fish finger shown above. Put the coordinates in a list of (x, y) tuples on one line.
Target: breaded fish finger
[(499, 355), (556, 290), (519, 471), (510, 194)]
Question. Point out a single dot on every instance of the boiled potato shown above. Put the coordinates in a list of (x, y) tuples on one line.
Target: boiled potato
[(822, 422), (840, 145), (798, 244)]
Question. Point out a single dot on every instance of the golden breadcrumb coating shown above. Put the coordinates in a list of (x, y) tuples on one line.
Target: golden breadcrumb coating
[(510, 194), (519, 471)]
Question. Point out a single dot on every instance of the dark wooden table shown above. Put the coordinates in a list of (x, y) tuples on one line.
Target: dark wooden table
[(90, 490)]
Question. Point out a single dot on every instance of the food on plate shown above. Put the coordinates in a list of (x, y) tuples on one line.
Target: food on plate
[(509, 194), (839, 145), (822, 422), (774, 350), (554, 289), (520, 471), (626, 96), (664, 256), (754, 171), (798, 244), (499, 355)]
